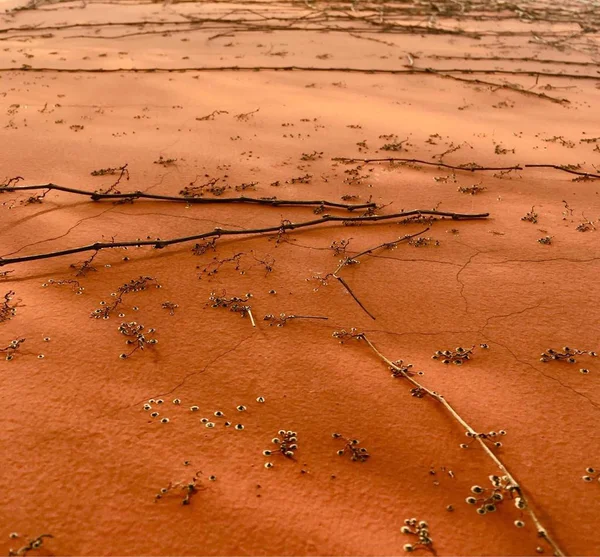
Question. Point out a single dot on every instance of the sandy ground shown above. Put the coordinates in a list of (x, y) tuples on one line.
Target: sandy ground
[(83, 461)]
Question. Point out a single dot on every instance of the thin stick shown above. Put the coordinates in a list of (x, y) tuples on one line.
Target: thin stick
[(468, 167), (564, 169), (251, 317), (95, 196), (349, 290), (219, 232), (307, 317), (347, 260), (410, 71), (542, 532)]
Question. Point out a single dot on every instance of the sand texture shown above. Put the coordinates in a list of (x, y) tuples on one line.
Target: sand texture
[(471, 128)]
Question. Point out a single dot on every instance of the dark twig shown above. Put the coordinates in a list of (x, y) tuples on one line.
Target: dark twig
[(353, 260), (219, 232), (564, 169), (35, 543), (272, 201), (470, 167)]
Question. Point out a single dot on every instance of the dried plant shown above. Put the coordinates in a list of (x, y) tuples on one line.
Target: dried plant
[(287, 444), (567, 354), (420, 529), (236, 304), (136, 337), (352, 448), (212, 268), (134, 285), (282, 319), (190, 488), (531, 216), (546, 240), (472, 190), (34, 543), (354, 260), (458, 356), (12, 348), (422, 242), (170, 306), (417, 215), (202, 247), (74, 284), (7, 308), (340, 247), (515, 488), (489, 437)]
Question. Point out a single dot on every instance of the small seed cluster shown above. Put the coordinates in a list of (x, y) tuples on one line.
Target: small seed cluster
[(487, 500), (189, 488), (284, 318), (531, 216), (458, 356), (74, 284), (423, 242), (471, 190), (12, 348), (137, 337), (35, 543), (352, 447), (287, 444), (420, 529), (134, 285), (7, 310), (236, 304), (490, 437), (568, 354), (545, 240), (171, 306), (344, 336), (591, 474)]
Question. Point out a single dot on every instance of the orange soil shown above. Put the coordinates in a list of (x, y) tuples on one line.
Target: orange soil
[(83, 461)]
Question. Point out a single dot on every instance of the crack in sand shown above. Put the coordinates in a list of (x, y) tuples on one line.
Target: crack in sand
[(519, 312), (192, 374), (58, 237), (594, 404), (462, 284)]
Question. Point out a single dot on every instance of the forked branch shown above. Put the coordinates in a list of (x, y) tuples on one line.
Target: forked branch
[(220, 232)]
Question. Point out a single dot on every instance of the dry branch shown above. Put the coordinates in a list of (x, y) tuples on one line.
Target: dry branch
[(274, 202), (219, 232), (469, 167), (542, 532)]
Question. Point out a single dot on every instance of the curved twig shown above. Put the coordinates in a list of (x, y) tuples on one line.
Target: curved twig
[(219, 232)]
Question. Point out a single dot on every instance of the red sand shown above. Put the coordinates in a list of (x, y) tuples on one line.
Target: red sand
[(83, 461)]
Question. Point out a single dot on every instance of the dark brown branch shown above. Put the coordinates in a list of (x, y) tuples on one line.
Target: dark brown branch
[(410, 71), (564, 169), (354, 259), (97, 196), (349, 290), (470, 167), (219, 232)]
